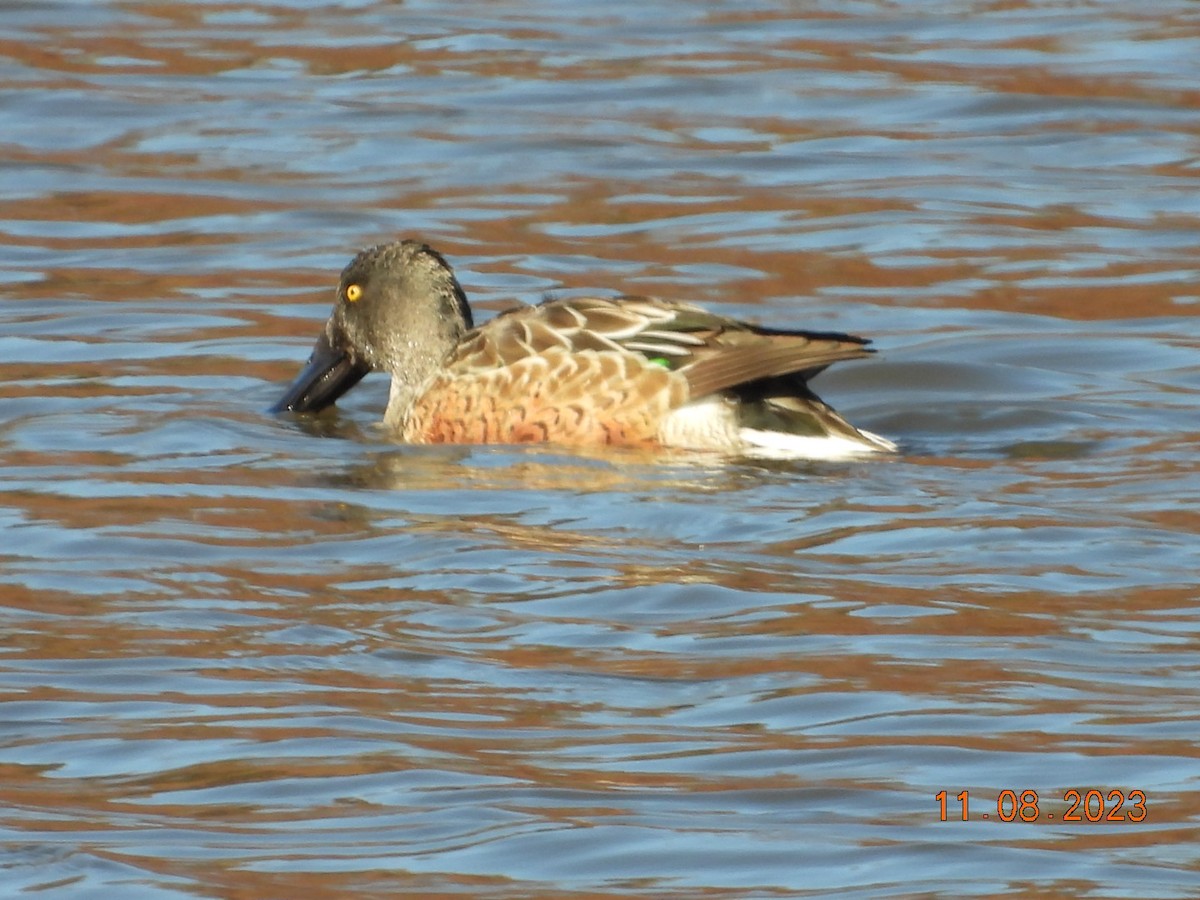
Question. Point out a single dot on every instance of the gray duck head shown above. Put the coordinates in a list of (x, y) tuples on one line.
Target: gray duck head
[(399, 309)]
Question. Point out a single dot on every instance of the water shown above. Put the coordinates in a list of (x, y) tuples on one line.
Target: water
[(246, 655)]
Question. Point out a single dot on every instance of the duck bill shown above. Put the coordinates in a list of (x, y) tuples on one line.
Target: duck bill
[(330, 372)]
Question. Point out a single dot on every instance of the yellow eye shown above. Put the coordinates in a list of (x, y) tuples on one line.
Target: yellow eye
[(353, 292)]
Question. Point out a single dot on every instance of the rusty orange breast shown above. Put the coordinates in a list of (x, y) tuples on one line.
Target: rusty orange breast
[(558, 396)]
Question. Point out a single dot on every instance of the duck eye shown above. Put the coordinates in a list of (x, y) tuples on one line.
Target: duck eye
[(353, 292)]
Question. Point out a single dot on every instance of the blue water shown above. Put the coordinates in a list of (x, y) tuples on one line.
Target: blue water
[(249, 655)]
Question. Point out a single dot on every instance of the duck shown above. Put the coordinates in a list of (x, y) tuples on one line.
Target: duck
[(630, 371)]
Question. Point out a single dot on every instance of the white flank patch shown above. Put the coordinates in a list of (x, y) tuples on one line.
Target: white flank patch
[(711, 424), (705, 424), (780, 445)]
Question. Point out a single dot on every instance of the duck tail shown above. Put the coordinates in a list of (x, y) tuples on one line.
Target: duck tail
[(783, 417)]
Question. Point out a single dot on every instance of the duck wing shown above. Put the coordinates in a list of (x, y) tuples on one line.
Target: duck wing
[(713, 353)]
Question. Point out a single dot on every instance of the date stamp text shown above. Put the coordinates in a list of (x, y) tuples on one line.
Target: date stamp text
[(1026, 805)]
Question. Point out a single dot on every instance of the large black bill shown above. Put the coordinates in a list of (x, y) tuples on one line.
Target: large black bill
[(329, 373)]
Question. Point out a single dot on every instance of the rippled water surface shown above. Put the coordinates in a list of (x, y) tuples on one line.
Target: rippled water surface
[(252, 656)]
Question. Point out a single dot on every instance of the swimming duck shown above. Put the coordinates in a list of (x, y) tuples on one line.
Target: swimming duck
[(581, 370)]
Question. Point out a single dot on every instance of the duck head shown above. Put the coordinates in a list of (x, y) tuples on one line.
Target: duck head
[(399, 309)]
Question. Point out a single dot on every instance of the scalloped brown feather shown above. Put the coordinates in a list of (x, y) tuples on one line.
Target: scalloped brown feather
[(553, 395), (590, 370)]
